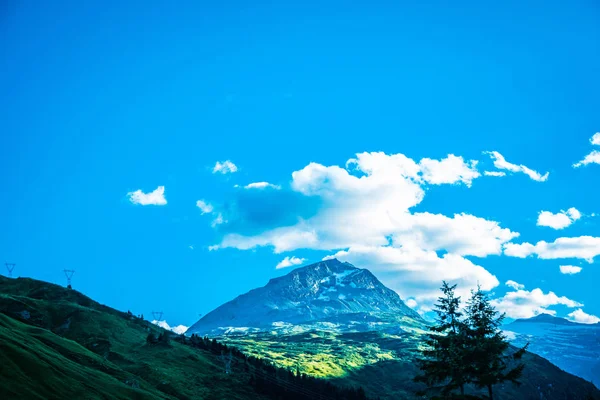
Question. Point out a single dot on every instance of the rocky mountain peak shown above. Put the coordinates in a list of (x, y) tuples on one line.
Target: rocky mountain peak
[(327, 292)]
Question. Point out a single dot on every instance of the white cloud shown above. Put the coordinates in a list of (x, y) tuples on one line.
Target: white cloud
[(261, 185), (156, 197), (501, 163), (205, 207), (582, 317), (594, 156), (179, 329), (527, 304), (569, 269), (191, 247), (419, 273), (365, 216), (289, 261), (412, 303), (218, 220), (559, 220), (583, 247), (514, 285), (462, 234), (451, 169), (494, 173), (224, 167)]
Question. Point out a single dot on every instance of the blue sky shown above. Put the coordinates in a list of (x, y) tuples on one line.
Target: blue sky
[(97, 102)]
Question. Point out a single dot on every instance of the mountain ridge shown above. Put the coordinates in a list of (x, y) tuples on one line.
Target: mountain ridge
[(550, 319), (329, 293), (572, 346)]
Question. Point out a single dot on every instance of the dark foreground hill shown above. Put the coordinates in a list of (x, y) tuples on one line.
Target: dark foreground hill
[(56, 343)]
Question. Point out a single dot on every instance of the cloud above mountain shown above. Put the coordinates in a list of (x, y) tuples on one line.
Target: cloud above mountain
[(363, 213), (526, 304), (289, 261), (179, 329), (583, 318)]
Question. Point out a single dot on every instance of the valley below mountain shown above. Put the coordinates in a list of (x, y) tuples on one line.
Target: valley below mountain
[(327, 330), (572, 346), (336, 321)]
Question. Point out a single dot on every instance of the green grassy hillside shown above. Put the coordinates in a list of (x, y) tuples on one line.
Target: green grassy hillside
[(384, 365), (56, 343)]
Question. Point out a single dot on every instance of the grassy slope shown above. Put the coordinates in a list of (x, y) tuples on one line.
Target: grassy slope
[(73, 347), (363, 359)]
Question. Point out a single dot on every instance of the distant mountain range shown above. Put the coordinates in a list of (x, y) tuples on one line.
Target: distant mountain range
[(327, 295), (335, 321), (572, 346)]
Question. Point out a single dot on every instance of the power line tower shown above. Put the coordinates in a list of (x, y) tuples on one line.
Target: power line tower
[(10, 267), (69, 274), (157, 315)]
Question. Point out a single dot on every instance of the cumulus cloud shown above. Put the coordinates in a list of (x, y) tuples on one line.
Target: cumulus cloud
[(179, 329), (156, 197), (224, 167), (594, 156), (591, 158), (415, 272), (569, 269), (363, 213), (204, 207), (559, 220), (514, 285), (583, 247), (289, 261), (527, 304), (501, 163), (451, 169), (582, 317), (261, 185)]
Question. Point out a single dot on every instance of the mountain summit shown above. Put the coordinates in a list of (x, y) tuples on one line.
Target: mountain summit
[(325, 295)]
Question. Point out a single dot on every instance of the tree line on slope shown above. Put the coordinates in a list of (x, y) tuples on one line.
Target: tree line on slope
[(266, 379), (467, 347)]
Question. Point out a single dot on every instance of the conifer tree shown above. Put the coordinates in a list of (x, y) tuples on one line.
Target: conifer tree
[(487, 346), (444, 363)]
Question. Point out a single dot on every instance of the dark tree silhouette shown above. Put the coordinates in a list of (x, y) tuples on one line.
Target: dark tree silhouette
[(488, 347), (444, 365)]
